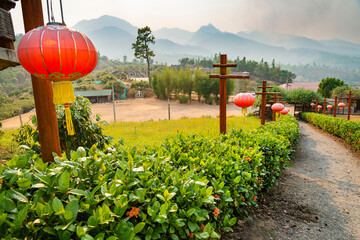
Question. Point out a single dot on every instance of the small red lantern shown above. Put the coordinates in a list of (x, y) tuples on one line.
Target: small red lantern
[(319, 107), (277, 107), (329, 107), (59, 54), (285, 111), (341, 105), (244, 100), (312, 105)]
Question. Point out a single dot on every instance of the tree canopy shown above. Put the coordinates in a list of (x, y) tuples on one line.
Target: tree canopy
[(327, 85)]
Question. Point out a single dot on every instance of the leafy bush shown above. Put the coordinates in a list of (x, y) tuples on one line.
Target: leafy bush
[(191, 187), (87, 132), (11, 107), (347, 130), (183, 98), (301, 96), (1, 131)]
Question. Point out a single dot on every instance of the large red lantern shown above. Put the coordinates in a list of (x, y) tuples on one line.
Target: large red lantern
[(61, 55), (341, 105), (285, 111), (319, 107), (277, 107), (244, 100), (329, 107)]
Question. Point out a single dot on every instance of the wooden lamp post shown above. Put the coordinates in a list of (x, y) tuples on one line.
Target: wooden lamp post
[(316, 104), (349, 98), (324, 108), (223, 76)]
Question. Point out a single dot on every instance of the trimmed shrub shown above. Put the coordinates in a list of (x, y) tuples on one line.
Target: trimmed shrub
[(347, 130), (190, 187)]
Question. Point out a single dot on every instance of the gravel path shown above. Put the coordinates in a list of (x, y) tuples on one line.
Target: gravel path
[(317, 198)]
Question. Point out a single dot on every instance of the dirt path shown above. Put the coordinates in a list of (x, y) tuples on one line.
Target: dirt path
[(145, 110), (317, 198)]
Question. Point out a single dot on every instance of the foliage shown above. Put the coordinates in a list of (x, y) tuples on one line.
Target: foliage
[(343, 128), (301, 96), (87, 132), (191, 187), (1, 131), (183, 99), (140, 85), (118, 86), (256, 69), (141, 46), (11, 108), (327, 85)]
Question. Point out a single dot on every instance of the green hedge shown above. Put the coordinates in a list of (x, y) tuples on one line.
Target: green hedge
[(345, 129), (190, 187)]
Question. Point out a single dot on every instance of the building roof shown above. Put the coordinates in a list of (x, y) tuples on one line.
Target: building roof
[(306, 85), (93, 93)]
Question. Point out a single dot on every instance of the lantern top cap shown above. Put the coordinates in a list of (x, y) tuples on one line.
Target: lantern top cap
[(55, 23)]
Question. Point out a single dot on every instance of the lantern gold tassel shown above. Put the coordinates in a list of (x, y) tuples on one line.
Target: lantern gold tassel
[(69, 122), (63, 92), (244, 111)]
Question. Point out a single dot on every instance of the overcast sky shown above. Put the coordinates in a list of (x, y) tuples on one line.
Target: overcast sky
[(318, 19)]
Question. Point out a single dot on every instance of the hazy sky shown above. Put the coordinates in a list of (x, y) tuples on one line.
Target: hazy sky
[(318, 19)]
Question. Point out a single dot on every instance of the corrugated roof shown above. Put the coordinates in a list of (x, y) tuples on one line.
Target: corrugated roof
[(93, 93)]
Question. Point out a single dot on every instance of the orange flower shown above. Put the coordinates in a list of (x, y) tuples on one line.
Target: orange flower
[(133, 212), (255, 198), (255, 169), (202, 227), (243, 199), (216, 212), (190, 235), (217, 196), (248, 159), (0, 181), (282, 160)]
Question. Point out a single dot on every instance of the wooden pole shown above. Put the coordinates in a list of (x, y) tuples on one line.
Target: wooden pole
[(42, 90), (335, 106), (113, 97), (316, 105), (324, 107), (223, 60), (263, 103), (274, 113), (349, 105)]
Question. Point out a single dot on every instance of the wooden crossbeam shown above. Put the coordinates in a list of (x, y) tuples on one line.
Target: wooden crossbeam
[(223, 76)]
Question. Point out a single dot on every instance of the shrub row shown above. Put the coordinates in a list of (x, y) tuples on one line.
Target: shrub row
[(190, 187), (347, 130)]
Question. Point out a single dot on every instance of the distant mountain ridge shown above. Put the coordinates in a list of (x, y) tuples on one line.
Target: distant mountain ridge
[(113, 37)]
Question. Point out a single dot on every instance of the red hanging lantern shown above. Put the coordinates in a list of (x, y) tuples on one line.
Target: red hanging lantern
[(319, 107), (244, 100), (277, 107), (312, 105), (329, 107), (285, 111), (59, 54), (341, 105)]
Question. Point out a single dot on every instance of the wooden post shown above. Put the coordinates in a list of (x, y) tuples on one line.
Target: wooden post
[(349, 105), (274, 113), (223, 76), (223, 60), (316, 104), (335, 106), (263, 94), (42, 90), (324, 107)]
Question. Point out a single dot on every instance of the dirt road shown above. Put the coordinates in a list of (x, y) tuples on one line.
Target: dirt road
[(317, 198), (145, 110)]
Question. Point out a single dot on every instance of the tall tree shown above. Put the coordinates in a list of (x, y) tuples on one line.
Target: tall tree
[(328, 84), (141, 46)]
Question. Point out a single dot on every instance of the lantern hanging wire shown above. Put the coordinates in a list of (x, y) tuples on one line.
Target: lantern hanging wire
[(50, 12)]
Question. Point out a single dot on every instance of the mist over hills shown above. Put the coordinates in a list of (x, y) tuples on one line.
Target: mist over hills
[(113, 37)]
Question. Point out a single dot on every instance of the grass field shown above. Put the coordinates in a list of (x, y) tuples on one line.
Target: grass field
[(154, 132)]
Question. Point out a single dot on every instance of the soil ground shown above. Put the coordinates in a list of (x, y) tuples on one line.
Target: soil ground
[(144, 110), (317, 198)]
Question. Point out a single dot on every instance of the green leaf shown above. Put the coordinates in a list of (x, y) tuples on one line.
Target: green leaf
[(190, 212), (58, 206), (3, 217), (80, 231), (215, 235), (232, 221), (64, 235), (79, 192), (174, 237), (139, 227), (192, 226), (20, 217), (22, 161), (71, 210), (24, 183), (237, 179), (64, 182), (88, 237), (50, 230), (38, 185), (179, 222), (204, 235), (18, 196)]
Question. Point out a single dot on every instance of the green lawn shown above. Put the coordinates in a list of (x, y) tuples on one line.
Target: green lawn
[(154, 132)]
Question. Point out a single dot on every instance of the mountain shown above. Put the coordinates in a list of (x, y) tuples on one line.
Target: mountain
[(335, 46), (176, 35), (112, 42), (92, 25), (113, 37)]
